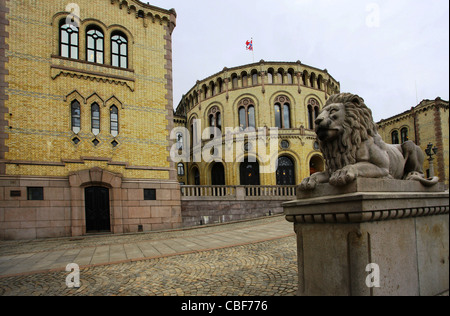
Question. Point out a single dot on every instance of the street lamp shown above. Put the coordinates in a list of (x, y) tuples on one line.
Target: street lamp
[(431, 151)]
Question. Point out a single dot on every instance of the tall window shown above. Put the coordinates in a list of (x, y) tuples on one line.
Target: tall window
[(278, 116), (270, 76), (215, 119), (290, 76), (68, 40), (180, 169), (280, 77), (119, 50), (95, 119), (246, 110), (404, 134), (234, 81), (114, 118), (95, 46), (254, 78), (395, 139), (76, 116), (244, 79), (313, 112), (282, 112)]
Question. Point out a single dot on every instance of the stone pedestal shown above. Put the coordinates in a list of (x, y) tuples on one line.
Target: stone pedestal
[(373, 237)]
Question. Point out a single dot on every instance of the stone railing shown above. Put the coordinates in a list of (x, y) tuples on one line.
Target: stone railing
[(238, 192)]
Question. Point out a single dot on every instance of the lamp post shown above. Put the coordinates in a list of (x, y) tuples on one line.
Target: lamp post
[(431, 151)]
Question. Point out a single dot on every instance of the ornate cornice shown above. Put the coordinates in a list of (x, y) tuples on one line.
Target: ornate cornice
[(367, 200)]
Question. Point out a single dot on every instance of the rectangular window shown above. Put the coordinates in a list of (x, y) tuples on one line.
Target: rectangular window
[(35, 193), (150, 194)]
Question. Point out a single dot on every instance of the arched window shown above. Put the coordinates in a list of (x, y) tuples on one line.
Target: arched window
[(280, 77), (270, 76), (212, 87), (290, 76), (76, 116), (310, 117), (215, 118), (244, 79), (114, 118), (251, 116), (278, 116), (119, 50), (313, 112), (242, 118), (220, 85), (68, 40), (254, 78), (286, 116), (404, 134), (180, 168), (282, 112), (395, 139), (95, 119), (246, 110), (234, 81), (312, 80), (95, 43)]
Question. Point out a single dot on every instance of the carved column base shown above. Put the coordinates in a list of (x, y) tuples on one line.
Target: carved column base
[(400, 227)]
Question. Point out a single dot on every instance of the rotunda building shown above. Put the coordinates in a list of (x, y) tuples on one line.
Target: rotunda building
[(252, 125)]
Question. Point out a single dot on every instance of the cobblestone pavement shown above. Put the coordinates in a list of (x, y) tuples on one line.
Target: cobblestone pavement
[(258, 268)]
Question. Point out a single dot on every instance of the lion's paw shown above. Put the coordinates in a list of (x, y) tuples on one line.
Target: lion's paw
[(343, 176), (308, 184)]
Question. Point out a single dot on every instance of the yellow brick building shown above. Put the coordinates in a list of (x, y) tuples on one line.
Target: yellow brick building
[(86, 111), (426, 123), (244, 103)]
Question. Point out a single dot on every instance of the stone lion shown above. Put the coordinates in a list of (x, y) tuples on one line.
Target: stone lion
[(352, 147)]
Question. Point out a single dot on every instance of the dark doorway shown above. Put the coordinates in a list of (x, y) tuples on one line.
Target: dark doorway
[(218, 174), (97, 210), (285, 171), (249, 173)]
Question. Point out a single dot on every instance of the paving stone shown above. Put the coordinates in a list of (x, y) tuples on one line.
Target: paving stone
[(234, 265)]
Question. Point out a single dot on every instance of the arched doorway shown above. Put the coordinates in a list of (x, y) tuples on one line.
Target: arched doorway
[(285, 171), (97, 209), (249, 173), (194, 178), (218, 174), (316, 164)]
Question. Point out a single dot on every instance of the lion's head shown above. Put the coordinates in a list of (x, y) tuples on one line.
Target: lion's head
[(342, 125)]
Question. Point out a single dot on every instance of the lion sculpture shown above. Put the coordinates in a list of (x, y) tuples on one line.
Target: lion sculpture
[(352, 147)]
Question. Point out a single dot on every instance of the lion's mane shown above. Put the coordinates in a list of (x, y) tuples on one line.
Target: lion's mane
[(358, 127)]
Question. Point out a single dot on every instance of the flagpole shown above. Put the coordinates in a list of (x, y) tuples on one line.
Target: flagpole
[(253, 51)]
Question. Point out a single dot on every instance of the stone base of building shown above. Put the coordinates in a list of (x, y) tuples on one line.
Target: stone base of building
[(133, 205), (372, 238)]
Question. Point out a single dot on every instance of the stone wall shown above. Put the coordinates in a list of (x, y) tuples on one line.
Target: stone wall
[(202, 205), (61, 212), (373, 237), (197, 213)]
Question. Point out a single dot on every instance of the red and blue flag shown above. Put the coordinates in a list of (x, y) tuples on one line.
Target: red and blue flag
[(249, 45)]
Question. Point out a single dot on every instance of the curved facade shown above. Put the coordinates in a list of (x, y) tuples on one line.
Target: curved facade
[(247, 101)]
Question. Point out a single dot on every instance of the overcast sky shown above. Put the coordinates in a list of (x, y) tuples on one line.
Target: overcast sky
[(390, 52)]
